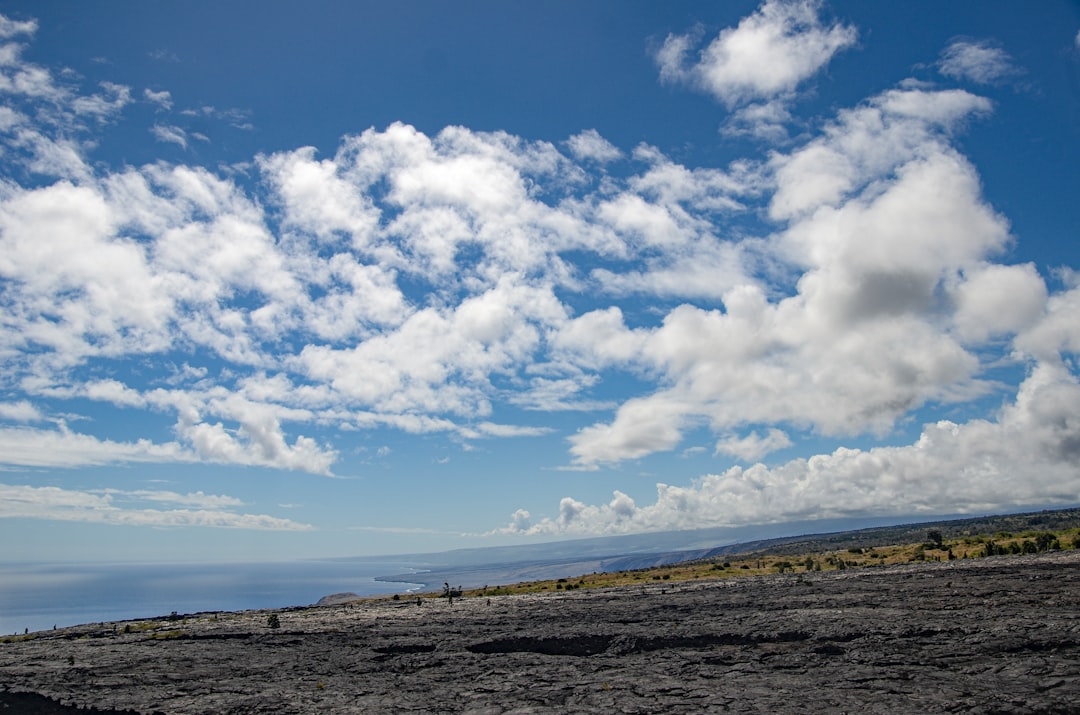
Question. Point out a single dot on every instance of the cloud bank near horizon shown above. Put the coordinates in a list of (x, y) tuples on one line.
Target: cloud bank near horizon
[(834, 285)]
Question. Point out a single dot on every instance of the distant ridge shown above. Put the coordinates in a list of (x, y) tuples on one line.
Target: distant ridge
[(1049, 520), (473, 568)]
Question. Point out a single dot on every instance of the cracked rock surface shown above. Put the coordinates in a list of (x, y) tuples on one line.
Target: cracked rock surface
[(994, 635)]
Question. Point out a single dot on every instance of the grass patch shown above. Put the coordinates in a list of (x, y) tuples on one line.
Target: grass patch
[(761, 563), (18, 639)]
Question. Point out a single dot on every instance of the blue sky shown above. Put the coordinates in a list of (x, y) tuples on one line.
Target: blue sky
[(358, 278)]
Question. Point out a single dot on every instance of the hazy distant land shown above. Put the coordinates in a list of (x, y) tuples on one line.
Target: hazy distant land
[(973, 634)]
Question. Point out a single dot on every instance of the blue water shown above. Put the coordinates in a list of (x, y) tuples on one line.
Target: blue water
[(38, 597)]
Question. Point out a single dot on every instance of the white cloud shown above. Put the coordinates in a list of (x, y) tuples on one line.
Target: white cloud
[(31, 447), (163, 98), (21, 411), (865, 144), (82, 289), (753, 446), (768, 55), (1057, 330), (887, 226), (599, 338), (425, 283), (642, 426), (55, 504), (170, 135), (106, 105), (559, 394), (13, 28), (979, 62), (590, 145), (766, 121), (998, 300), (440, 360), (258, 443), (318, 199), (1024, 458), (191, 499)]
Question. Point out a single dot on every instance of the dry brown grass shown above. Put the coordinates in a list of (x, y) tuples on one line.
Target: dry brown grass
[(757, 564)]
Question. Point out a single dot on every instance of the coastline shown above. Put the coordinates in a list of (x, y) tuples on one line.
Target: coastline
[(35, 597)]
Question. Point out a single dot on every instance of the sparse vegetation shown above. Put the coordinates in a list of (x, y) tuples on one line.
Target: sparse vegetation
[(450, 593), (963, 539)]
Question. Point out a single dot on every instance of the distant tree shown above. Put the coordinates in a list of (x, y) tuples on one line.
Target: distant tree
[(933, 537), (1046, 541), (451, 593)]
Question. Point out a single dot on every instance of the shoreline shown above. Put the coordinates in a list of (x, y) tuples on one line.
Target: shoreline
[(36, 597)]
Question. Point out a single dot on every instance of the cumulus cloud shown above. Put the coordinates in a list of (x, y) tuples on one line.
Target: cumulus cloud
[(1025, 457), (21, 411), (435, 283), (767, 55), (976, 61), (754, 446), (890, 233)]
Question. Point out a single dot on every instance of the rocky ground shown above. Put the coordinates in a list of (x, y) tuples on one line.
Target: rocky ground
[(997, 635)]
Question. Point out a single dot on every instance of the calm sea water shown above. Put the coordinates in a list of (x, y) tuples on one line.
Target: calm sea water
[(37, 597)]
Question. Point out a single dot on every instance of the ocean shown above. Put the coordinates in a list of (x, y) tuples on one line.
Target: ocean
[(40, 596)]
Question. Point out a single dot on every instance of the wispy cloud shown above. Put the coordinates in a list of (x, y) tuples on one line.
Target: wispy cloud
[(13, 28), (32, 447), (170, 135), (163, 98), (977, 61), (590, 145), (113, 507)]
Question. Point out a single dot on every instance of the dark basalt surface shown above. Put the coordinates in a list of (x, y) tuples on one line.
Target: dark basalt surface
[(998, 635)]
